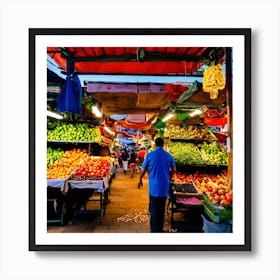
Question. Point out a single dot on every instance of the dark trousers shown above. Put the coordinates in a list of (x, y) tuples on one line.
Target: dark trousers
[(157, 212)]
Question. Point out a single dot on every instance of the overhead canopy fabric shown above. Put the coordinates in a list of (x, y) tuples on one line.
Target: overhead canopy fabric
[(135, 126), (129, 98), (136, 118), (133, 60)]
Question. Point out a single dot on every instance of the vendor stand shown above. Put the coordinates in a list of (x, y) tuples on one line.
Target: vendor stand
[(82, 192)]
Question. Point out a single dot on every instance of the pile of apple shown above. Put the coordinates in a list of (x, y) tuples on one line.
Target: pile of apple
[(201, 181), (181, 178), (92, 168), (220, 196), (219, 192), (63, 167), (214, 186), (80, 132), (53, 155)]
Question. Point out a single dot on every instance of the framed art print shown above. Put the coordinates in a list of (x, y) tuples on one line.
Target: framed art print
[(190, 87)]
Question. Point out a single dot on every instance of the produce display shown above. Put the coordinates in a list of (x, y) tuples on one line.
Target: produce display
[(185, 153), (53, 155), (213, 80), (201, 180), (92, 168), (219, 194), (63, 167), (214, 186), (181, 178), (79, 132), (189, 132), (213, 153)]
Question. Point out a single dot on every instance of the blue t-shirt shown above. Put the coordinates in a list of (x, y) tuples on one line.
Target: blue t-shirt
[(158, 164)]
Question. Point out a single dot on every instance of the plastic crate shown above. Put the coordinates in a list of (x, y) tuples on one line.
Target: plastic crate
[(217, 214)]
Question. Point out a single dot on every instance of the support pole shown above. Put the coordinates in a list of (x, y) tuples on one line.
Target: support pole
[(229, 113)]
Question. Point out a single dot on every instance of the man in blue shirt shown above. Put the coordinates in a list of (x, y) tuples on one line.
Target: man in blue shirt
[(160, 166)]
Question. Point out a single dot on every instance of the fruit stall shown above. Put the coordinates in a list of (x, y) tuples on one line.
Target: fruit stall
[(78, 170), (194, 118), (202, 164)]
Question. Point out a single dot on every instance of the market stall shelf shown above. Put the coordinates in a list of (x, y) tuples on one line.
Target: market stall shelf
[(76, 187), (196, 150)]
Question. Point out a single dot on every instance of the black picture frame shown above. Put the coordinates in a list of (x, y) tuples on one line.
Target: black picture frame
[(35, 33)]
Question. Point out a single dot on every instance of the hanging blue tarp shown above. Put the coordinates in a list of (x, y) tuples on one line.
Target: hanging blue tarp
[(70, 98)]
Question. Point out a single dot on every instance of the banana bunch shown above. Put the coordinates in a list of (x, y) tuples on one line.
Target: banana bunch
[(213, 80)]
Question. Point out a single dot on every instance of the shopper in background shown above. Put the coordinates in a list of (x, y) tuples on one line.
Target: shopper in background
[(141, 155), (124, 158), (132, 162), (160, 166)]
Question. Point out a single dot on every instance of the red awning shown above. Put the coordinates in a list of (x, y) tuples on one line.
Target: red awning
[(132, 60)]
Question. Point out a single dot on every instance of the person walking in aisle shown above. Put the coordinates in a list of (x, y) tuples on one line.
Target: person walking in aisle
[(141, 155), (160, 166), (132, 162), (124, 158)]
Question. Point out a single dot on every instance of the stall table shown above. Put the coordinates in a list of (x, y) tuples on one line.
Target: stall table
[(82, 192), (56, 191)]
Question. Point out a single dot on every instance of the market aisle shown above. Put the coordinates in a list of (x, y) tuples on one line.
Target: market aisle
[(127, 210), (128, 207)]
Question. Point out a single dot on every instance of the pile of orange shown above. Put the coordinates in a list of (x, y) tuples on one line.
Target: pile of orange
[(63, 167)]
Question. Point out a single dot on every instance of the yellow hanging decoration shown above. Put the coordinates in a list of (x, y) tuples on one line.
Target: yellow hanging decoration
[(213, 80)]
